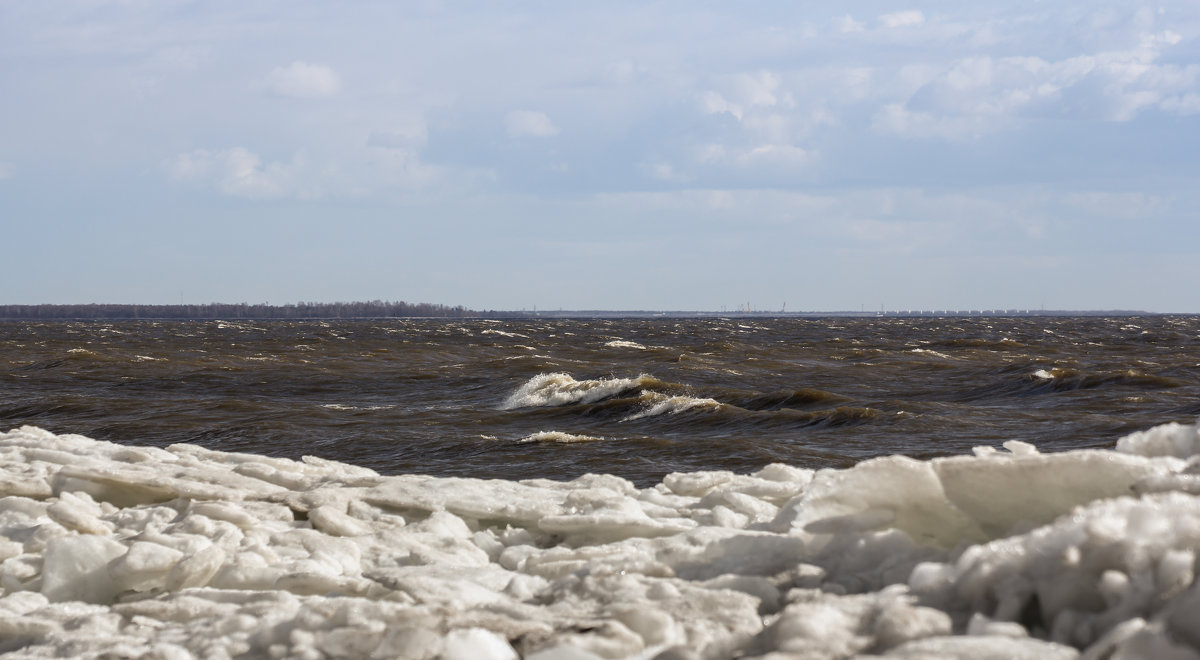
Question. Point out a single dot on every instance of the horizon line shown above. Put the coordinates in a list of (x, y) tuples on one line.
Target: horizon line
[(400, 309)]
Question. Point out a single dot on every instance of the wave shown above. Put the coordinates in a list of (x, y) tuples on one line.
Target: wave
[(347, 407), (648, 399), (621, 343), (560, 389), (928, 351), (655, 404), (558, 436), (841, 416), (803, 397), (502, 333), (1066, 379), (719, 414), (1017, 381)]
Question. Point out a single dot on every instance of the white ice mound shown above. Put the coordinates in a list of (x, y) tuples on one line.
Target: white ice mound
[(110, 550), (1173, 439)]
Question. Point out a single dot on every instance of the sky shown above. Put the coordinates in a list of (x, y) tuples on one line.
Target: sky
[(603, 155)]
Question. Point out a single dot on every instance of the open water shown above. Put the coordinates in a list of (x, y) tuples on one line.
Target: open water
[(634, 397)]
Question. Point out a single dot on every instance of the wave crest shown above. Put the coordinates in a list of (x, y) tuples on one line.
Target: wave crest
[(661, 404), (621, 343), (559, 389), (558, 436)]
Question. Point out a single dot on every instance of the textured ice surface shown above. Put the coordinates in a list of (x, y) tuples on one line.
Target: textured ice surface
[(118, 551)]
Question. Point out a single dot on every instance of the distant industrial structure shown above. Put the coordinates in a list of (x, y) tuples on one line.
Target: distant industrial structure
[(746, 311)]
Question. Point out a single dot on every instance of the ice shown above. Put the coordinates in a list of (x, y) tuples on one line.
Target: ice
[(186, 552), (76, 568), (1179, 440)]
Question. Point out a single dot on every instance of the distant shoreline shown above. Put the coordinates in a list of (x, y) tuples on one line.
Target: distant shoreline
[(391, 310)]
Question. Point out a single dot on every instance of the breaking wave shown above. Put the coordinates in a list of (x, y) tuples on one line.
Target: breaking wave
[(558, 389), (1066, 379), (655, 404), (559, 437), (620, 343)]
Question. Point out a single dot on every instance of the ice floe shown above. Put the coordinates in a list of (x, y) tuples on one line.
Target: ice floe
[(110, 550)]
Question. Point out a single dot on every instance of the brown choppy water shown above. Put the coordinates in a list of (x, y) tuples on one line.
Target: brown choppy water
[(633, 397)]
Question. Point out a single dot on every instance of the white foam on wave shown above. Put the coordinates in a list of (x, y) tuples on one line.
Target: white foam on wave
[(229, 325), (347, 407), (502, 333), (932, 352), (655, 404), (109, 550), (559, 436), (557, 389), (1043, 374), (621, 343)]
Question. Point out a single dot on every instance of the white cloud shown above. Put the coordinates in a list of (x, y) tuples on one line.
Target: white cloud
[(775, 155), (1184, 104), (714, 103), (624, 71), (1120, 205), (744, 92), (772, 125), (663, 172), (410, 136), (6, 170), (909, 18), (907, 235), (981, 94), (847, 24), (303, 80), (758, 89), (529, 123), (768, 207), (895, 119), (239, 172)]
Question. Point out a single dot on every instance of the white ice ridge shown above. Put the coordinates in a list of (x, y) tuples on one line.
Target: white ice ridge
[(121, 551)]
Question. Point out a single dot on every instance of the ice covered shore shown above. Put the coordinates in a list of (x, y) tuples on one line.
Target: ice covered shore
[(120, 551)]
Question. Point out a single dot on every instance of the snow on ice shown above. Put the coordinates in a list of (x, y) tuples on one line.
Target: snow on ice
[(120, 551)]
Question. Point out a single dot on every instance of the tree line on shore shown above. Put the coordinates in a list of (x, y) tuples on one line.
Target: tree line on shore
[(300, 310)]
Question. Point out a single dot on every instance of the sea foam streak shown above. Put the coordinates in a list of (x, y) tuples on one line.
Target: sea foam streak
[(111, 550)]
